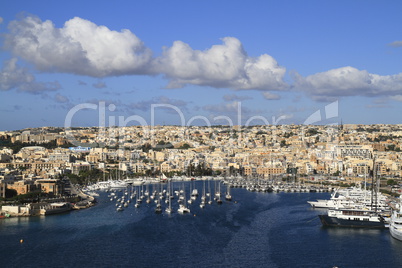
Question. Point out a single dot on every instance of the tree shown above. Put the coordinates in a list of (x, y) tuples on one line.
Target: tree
[(283, 143), (10, 193), (146, 147), (392, 182), (185, 146)]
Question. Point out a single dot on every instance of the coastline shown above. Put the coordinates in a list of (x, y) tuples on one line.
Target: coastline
[(54, 206)]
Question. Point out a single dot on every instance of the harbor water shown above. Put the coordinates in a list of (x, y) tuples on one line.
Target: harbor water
[(253, 230)]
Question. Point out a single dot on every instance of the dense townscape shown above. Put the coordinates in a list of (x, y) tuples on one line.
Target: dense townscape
[(52, 170), (41, 159)]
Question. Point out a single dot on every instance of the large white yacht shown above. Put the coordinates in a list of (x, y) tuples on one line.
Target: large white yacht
[(395, 223)]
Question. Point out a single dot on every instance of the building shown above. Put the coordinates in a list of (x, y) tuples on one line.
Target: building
[(80, 166), (60, 157), (92, 158), (355, 151), (22, 187), (268, 171), (50, 186)]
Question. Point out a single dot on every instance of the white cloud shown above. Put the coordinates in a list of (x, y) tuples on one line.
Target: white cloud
[(396, 44), (226, 108), (84, 48), (99, 84), (1, 20), (12, 76), (60, 98), (397, 98), (270, 96), (221, 66), (348, 81), (80, 47), (234, 97), (145, 105)]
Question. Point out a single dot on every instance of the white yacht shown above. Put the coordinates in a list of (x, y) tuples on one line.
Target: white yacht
[(395, 223), (347, 217)]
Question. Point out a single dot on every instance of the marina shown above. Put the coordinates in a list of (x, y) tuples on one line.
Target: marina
[(148, 134), (255, 229)]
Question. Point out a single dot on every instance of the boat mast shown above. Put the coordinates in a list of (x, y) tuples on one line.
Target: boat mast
[(374, 187)]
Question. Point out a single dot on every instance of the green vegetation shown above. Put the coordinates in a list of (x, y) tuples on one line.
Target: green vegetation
[(199, 170), (312, 132), (85, 177), (383, 138), (163, 145), (388, 192), (17, 146), (283, 143), (185, 146), (392, 147), (392, 182), (287, 135)]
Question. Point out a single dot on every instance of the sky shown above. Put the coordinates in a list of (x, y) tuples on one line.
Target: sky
[(91, 63)]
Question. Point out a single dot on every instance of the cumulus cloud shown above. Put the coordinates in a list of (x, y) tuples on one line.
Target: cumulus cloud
[(80, 47), (12, 76), (270, 96), (348, 81), (396, 44), (84, 48), (221, 66)]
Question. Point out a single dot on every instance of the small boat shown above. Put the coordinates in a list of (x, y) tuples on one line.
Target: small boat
[(194, 193), (158, 209), (182, 205), (169, 209), (228, 197), (4, 215), (202, 204), (183, 209)]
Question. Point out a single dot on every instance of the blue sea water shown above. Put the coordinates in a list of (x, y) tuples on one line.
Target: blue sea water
[(253, 230)]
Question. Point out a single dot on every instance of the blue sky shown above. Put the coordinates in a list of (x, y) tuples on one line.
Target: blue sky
[(275, 60)]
